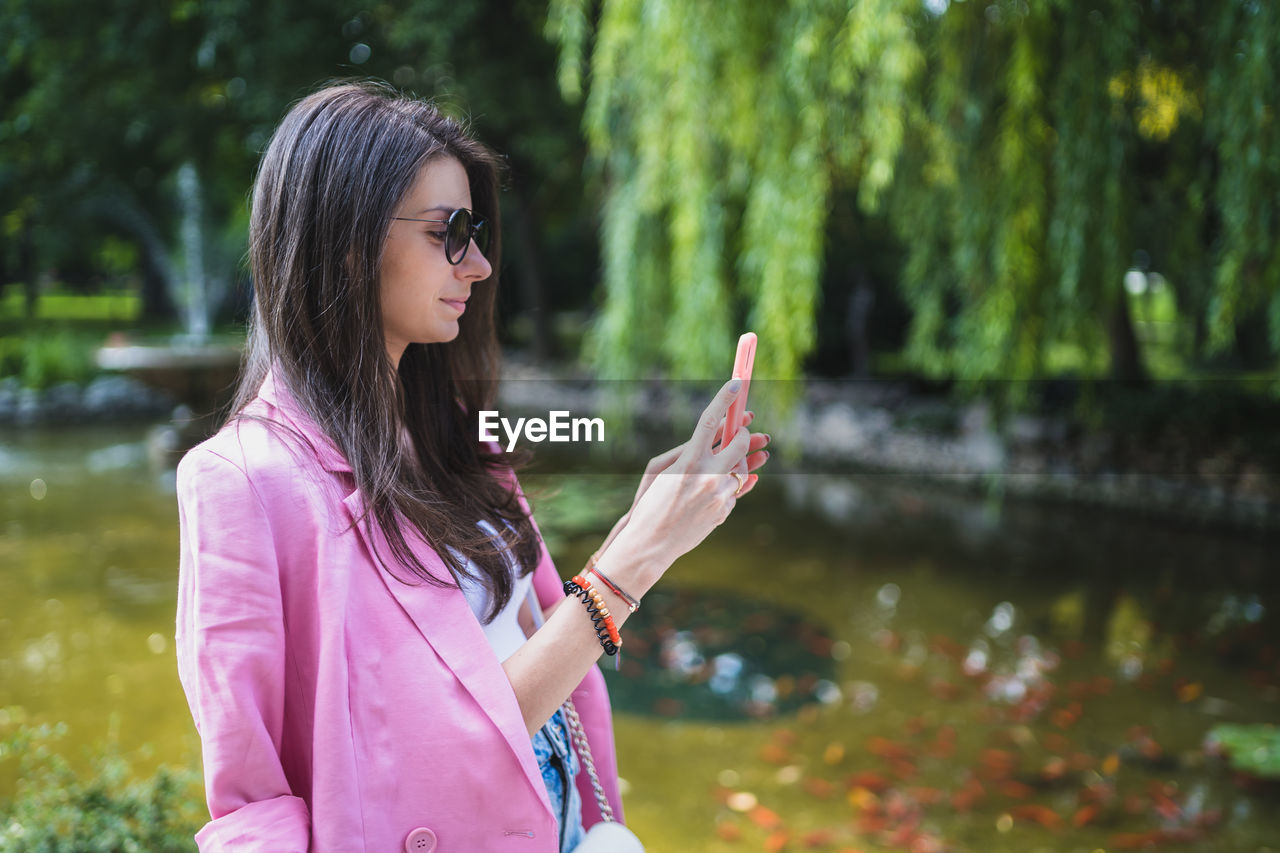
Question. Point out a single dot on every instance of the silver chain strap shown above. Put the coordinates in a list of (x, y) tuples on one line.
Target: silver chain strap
[(584, 753)]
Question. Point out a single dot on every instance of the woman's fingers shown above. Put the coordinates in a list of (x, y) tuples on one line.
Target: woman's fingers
[(752, 462), (713, 417), (729, 455), (663, 461), (750, 484), (746, 421), (741, 478)]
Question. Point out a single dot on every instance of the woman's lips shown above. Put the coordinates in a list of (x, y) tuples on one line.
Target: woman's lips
[(459, 305)]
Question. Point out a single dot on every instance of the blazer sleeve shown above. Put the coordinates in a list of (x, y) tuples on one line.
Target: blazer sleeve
[(230, 642)]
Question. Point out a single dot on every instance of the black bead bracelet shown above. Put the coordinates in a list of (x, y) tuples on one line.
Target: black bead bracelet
[(602, 633)]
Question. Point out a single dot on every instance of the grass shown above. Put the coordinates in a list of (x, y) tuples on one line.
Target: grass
[(58, 343), (47, 356), (57, 306)]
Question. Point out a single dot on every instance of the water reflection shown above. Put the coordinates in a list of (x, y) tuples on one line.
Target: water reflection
[(87, 580), (117, 457), (1129, 637), (716, 655), (1235, 611), (887, 599)]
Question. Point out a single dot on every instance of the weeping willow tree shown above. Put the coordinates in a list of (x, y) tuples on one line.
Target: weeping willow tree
[(721, 131), (1052, 142), (1023, 152)]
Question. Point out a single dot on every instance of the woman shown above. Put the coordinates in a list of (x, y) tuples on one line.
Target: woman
[(354, 632)]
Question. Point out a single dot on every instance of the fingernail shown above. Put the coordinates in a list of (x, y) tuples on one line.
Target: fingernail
[(735, 386)]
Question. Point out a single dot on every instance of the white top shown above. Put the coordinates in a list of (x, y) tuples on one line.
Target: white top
[(504, 633)]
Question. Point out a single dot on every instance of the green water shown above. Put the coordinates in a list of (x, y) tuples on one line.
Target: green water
[(959, 679), (88, 545)]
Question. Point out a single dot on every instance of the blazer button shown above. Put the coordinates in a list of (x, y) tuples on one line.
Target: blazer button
[(420, 840)]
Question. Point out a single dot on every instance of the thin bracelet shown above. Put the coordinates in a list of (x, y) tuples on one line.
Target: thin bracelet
[(632, 604)]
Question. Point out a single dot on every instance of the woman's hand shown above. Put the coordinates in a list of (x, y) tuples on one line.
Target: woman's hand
[(756, 456), (690, 490), (660, 463), (685, 494)]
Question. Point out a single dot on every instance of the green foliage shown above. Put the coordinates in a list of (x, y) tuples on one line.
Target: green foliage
[(1029, 154), (1058, 141), (94, 307), (1024, 154), (56, 811), (719, 147), (1253, 748), (1241, 91), (58, 344), (104, 103), (43, 357)]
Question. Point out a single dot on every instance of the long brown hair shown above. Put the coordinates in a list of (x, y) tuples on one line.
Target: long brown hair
[(326, 190)]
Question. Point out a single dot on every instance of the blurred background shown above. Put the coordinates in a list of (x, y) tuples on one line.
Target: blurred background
[(1008, 583)]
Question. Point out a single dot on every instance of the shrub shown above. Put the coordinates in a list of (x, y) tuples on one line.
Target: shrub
[(44, 357), (56, 811)]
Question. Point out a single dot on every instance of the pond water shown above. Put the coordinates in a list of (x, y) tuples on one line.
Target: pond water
[(854, 662)]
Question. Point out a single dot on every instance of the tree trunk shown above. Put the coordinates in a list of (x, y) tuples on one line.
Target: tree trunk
[(858, 323), (27, 272), (529, 275), (1126, 355), (157, 304), (1252, 346)]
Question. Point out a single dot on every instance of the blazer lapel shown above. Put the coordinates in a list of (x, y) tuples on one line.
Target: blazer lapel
[(440, 614), (446, 622)]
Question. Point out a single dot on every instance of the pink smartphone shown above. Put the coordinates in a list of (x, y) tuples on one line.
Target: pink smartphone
[(742, 365)]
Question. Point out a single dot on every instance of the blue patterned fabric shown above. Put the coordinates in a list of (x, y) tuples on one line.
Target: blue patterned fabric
[(553, 747)]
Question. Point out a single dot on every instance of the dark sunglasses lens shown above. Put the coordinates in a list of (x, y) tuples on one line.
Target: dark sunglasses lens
[(458, 235), (482, 236)]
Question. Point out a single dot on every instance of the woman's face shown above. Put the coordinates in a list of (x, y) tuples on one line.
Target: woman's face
[(423, 295)]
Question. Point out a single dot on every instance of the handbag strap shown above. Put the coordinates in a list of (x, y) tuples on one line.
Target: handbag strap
[(584, 753), (576, 730)]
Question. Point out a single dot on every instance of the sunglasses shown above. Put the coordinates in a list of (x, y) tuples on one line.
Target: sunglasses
[(461, 228)]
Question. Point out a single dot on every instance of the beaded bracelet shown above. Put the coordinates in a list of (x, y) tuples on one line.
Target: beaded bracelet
[(596, 599), (606, 630), (609, 624), (606, 643), (632, 604)]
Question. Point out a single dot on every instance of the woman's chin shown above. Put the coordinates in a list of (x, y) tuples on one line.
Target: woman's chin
[(445, 332)]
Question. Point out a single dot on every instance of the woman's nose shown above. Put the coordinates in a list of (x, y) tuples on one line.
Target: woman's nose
[(475, 264)]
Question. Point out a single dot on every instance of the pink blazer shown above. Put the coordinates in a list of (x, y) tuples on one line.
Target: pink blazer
[(341, 709)]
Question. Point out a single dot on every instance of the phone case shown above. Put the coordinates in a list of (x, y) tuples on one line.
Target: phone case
[(742, 365)]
